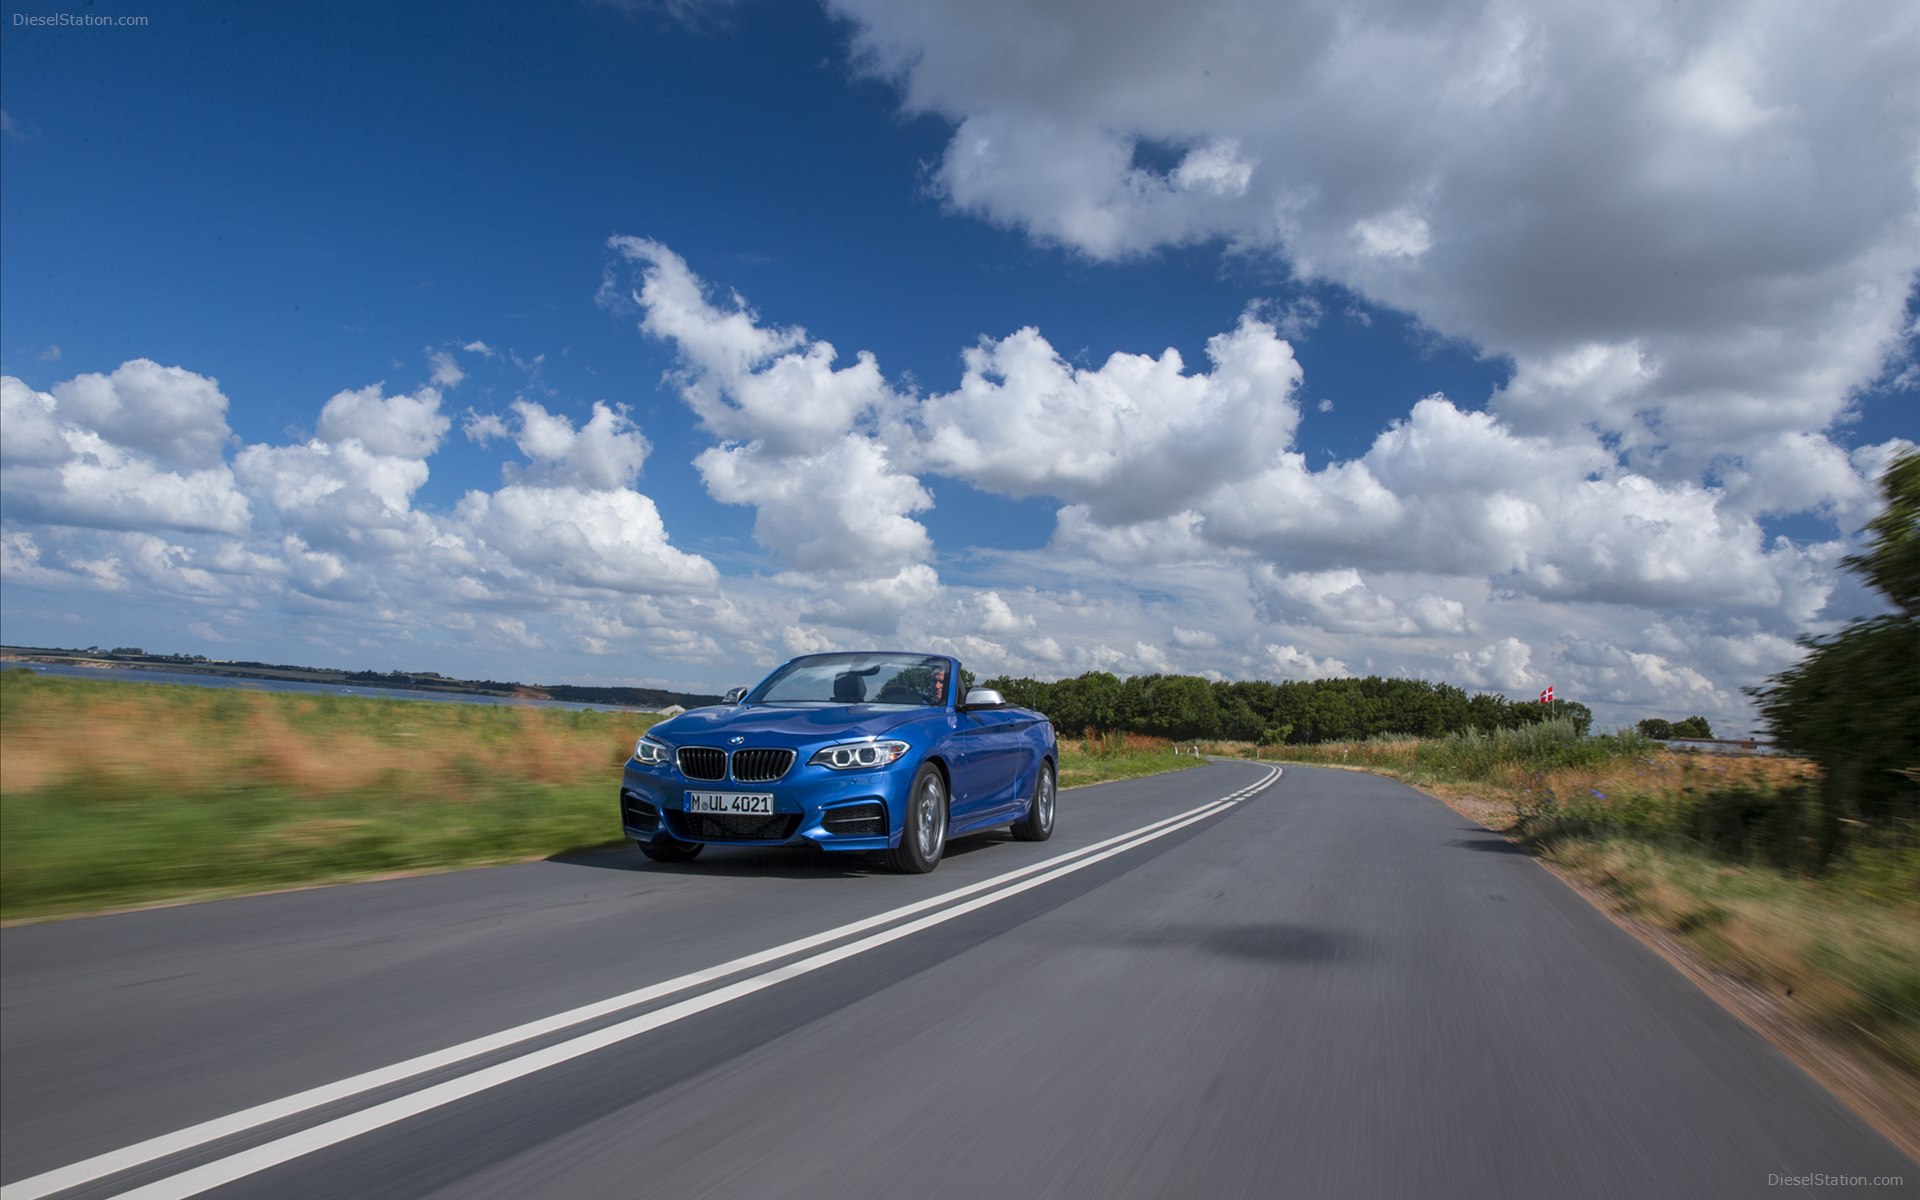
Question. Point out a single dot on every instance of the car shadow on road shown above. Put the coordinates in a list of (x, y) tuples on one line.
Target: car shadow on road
[(764, 862), (1261, 943), (1491, 843)]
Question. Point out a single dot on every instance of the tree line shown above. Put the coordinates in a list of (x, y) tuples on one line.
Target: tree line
[(1692, 727), (1189, 707)]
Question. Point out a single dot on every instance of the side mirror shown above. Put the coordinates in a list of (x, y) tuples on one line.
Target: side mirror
[(984, 698), (734, 696)]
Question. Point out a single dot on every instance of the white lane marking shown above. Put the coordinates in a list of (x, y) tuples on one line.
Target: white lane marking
[(115, 1161), (295, 1145)]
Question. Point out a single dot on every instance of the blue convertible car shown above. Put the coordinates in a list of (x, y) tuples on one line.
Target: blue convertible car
[(852, 752)]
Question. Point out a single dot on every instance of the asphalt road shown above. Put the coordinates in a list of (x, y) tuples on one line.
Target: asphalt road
[(1333, 986)]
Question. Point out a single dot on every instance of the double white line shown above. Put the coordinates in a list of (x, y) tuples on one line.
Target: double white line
[(328, 1133)]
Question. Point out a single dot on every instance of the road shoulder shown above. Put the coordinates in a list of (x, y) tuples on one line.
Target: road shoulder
[(1891, 1109)]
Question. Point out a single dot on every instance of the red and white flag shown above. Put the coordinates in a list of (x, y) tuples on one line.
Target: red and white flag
[(1546, 697)]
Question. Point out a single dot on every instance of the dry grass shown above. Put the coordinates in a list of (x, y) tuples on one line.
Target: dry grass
[(115, 793), (200, 741)]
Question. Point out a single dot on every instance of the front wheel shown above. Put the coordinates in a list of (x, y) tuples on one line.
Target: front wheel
[(671, 852), (1037, 825), (923, 836)]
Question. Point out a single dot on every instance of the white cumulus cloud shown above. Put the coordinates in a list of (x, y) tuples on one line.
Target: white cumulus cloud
[(135, 450), (844, 508), (171, 415), (607, 452), (604, 539), (403, 426), (1138, 438)]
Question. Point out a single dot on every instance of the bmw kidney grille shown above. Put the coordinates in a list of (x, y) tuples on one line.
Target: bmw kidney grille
[(759, 765)]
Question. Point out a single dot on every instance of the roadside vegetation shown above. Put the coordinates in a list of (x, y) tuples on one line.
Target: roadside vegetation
[(115, 794), (1097, 759)]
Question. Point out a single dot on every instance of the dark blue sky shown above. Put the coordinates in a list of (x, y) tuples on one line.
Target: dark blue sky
[(296, 200)]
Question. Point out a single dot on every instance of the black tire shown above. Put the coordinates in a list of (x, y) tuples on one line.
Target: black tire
[(1037, 825), (923, 835), (671, 851)]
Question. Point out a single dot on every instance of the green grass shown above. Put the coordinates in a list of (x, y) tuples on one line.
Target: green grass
[(115, 794), (1119, 756)]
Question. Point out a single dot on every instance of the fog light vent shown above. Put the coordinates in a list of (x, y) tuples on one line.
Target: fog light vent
[(636, 813), (856, 818)]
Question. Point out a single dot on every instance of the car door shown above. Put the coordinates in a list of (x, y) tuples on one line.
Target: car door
[(993, 747), (1016, 754), (972, 767)]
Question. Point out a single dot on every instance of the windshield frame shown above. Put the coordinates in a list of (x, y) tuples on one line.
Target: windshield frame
[(868, 663)]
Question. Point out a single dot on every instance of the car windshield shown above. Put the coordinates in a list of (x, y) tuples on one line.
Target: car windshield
[(903, 679)]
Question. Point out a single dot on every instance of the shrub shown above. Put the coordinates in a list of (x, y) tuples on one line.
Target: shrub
[(1853, 705), (1546, 746)]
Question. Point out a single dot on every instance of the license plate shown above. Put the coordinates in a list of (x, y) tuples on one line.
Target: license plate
[(757, 804)]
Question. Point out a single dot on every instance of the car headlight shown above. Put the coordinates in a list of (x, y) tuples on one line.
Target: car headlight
[(649, 753), (859, 756)]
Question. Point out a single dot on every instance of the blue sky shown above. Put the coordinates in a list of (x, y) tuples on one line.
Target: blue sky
[(1564, 358)]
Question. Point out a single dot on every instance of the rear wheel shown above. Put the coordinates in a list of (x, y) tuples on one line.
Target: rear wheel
[(671, 851), (1037, 825), (923, 836)]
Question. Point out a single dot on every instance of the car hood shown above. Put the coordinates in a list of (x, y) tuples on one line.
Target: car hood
[(790, 725)]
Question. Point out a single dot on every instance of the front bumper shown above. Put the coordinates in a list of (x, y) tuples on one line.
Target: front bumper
[(810, 805)]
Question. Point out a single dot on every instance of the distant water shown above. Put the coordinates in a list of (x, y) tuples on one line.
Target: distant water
[(136, 675)]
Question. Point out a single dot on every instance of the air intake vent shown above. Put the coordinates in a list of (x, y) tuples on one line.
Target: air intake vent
[(855, 818), (638, 813), (730, 827), (761, 766), (703, 762)]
